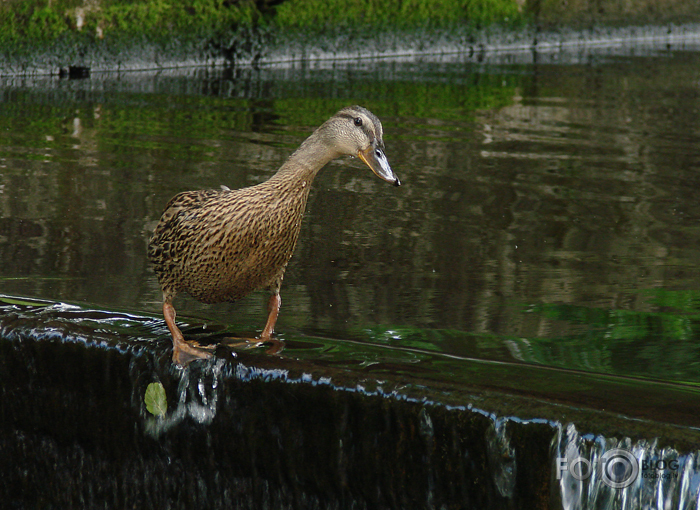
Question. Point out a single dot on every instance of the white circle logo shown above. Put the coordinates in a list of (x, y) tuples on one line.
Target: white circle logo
[(619, 468)]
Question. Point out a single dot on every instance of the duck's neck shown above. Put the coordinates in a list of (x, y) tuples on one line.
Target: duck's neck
[(303, 165)]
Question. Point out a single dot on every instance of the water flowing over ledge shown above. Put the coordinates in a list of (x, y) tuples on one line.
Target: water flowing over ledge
[(82, 426)]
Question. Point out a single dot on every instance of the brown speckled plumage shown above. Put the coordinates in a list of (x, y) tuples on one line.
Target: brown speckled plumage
[(219, 245)]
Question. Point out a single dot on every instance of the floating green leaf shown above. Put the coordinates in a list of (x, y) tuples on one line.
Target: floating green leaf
[(155, 400)]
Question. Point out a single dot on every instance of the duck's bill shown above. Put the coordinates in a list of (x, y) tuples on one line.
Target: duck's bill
[(376, 160)]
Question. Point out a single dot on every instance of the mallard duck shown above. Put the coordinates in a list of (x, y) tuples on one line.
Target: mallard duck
[(220, 245)]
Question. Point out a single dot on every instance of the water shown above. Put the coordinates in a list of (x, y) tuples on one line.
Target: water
[(547, 215), (539, 261)]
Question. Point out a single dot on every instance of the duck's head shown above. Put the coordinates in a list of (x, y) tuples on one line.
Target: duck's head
[(356, 131)]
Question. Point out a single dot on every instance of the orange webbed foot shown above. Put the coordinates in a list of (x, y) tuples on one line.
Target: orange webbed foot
[(184, 353)]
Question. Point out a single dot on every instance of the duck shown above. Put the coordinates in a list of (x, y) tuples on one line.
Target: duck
[(219, 245)]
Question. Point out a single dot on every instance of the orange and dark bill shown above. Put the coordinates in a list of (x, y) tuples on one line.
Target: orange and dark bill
[(375, 159)]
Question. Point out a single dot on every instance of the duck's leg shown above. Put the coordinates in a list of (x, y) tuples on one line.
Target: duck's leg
[(183, 353), (273, 309), (276, 346)]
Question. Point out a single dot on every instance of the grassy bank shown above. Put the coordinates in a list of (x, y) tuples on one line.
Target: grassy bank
[(397, 13), (36, 21), (43, 36)]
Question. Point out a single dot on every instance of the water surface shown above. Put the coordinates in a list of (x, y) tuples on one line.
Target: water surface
[(547, 220)]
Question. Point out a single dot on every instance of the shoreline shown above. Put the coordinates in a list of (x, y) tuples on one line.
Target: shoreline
[(282, 51)]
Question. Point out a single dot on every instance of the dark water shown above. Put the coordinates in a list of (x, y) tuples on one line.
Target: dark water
[(545, 241)]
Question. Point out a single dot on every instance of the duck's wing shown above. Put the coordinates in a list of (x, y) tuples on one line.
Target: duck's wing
[(187, 201), (182, 209)]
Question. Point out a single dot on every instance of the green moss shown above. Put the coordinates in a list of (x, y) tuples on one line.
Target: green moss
[(76, 32), (35, 21), (165, 17), (398, 13), (32, 20)]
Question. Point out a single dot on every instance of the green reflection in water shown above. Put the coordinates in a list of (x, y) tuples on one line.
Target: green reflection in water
[(652, 344)]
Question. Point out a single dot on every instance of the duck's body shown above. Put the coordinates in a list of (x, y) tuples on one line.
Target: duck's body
[(220, 245), (243, 238)]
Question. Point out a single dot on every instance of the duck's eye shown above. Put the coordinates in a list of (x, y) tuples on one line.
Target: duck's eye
[(358, 121), (378, 153)]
